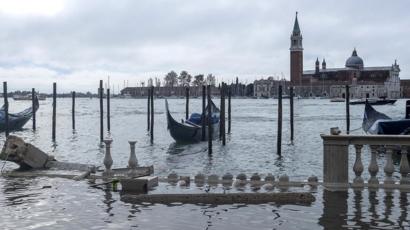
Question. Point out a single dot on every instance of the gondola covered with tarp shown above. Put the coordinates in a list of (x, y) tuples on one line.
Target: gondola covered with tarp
[(17, 120), (375, 122), (190, 131)]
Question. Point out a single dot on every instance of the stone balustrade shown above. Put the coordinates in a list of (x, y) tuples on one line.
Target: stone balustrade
[(336, 160)]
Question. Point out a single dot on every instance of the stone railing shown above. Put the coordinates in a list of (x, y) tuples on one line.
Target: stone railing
[(336, 160)]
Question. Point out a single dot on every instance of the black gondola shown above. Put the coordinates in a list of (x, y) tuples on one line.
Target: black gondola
[(375, 122), (373, 102), (17, 120), (190, 131)]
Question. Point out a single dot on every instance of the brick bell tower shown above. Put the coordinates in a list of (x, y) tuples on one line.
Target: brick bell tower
[(296, 55)]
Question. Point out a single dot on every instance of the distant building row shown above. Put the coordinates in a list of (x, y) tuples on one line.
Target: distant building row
[(237, 90)]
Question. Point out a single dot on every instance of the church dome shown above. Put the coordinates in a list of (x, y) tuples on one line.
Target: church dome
[(354, 61)]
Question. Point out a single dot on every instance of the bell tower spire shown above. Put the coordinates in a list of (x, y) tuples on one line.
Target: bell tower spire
[(296, 54), (296, 37)]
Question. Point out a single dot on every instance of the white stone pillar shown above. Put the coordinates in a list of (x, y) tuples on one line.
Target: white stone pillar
[(108, 159), (132, 162)]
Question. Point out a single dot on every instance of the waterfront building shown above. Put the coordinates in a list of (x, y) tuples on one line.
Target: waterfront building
[(267, 88), (167, 91), (405, 88), (377, 81), (237, 90)]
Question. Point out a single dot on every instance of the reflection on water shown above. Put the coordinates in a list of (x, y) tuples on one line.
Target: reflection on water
[(59, 203), (334, 208), (366, 209)]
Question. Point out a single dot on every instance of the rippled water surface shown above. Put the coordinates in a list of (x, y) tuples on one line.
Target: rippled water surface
[(32, 203)]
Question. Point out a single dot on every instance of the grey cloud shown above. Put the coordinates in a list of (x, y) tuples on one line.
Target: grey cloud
[(137, 39)]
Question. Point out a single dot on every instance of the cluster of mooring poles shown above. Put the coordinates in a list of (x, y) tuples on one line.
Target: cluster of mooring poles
[(206, 115), (101, 98), (54, 109), (279, 127), (206, 99)]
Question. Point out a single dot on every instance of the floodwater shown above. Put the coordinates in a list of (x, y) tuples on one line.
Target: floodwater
[(251, 148)]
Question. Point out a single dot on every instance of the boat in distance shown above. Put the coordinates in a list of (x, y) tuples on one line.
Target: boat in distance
[(17, 120), (27, 97), (373, 102), (337, 100), (190, 131)]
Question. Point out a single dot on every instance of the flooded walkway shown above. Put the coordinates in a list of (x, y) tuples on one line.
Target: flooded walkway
[(63, 204)]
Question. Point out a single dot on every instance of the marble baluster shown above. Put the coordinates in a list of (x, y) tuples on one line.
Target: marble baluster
[(389, 167), (132, 162), (358, 167), (373, 167), (404, 166), (108, 159)]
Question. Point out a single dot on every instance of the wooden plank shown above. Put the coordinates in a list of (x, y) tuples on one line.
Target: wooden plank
[(231, 198)]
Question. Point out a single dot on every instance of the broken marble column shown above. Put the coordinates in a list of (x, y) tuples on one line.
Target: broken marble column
[(107, 158), (132, 162), (30, 157)]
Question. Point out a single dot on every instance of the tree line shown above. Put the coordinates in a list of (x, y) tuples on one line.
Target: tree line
[(172, 79)]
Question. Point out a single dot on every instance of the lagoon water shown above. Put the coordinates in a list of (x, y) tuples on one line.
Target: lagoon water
[(251, 147)]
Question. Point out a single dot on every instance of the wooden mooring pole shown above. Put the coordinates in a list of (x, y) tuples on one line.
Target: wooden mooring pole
[(54, 111), (101, 92), (221, 111), (229, 109), (291, 113), (347, 110), (223, 114), (187, 103), (73, 109), (152, 115), (108, 111), (6, 109), (148, 108), (203, 112), (279, 136), (33, 99), (209, 120)]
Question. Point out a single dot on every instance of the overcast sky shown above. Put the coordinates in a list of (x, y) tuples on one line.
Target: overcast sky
[(76, 43)]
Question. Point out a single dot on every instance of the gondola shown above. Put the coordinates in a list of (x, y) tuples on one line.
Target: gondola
[(17, 120), (373, 102), (190, 131), (375, 122), (28, 97)]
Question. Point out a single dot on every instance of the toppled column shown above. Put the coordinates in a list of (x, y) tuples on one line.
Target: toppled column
[(24, 154), (30, 157)]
